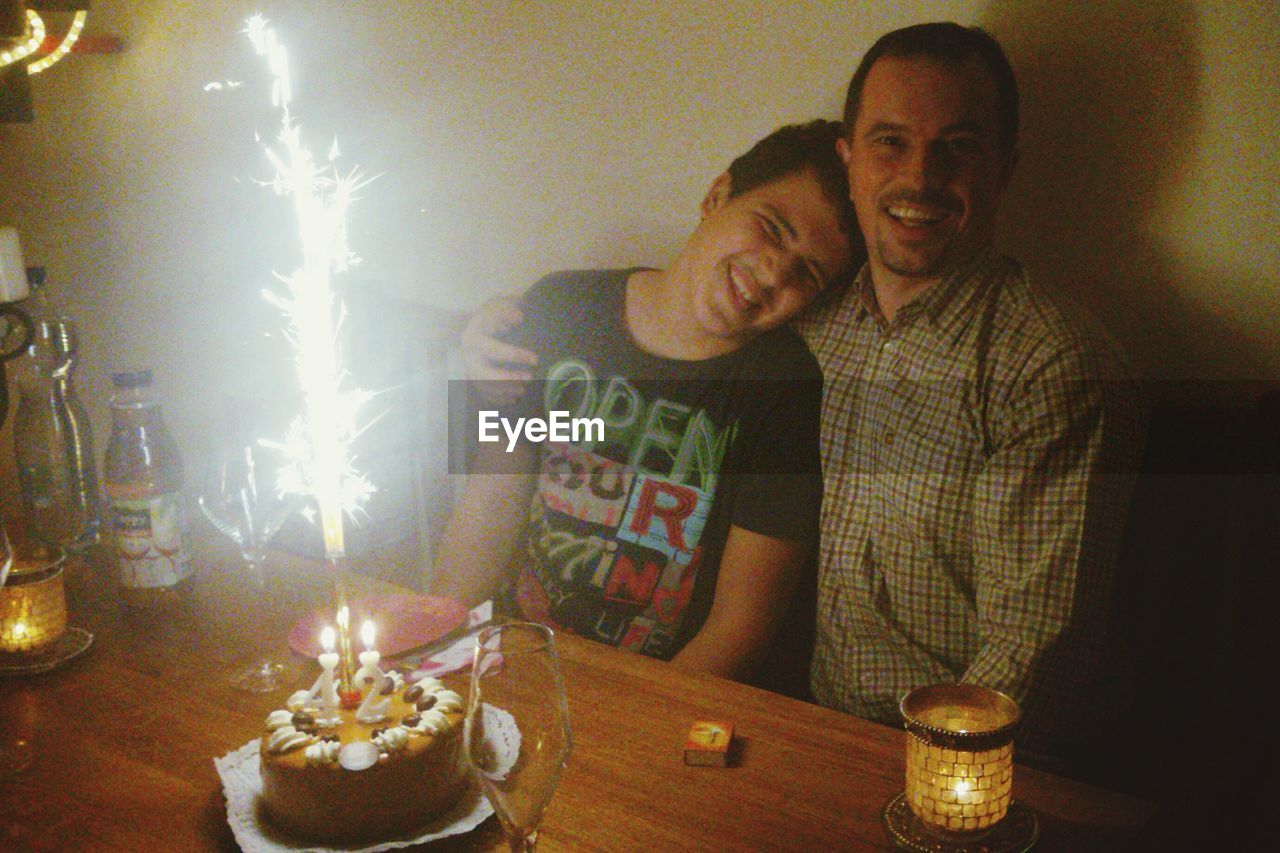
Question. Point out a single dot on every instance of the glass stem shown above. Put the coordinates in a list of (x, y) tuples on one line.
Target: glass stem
[(257, 571), (522, 843)]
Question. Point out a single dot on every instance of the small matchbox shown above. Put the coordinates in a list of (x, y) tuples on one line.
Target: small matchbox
[(708, 743)]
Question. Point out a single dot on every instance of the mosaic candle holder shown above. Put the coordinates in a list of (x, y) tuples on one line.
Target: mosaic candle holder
[(33, 601), (959, 756)]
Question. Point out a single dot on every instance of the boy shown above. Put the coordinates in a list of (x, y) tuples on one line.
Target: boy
[(681, 531)]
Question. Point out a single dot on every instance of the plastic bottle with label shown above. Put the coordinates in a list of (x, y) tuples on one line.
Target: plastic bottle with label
[(144, 495)]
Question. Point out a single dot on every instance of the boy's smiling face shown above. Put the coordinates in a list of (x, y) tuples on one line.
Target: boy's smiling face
[(761, 257)]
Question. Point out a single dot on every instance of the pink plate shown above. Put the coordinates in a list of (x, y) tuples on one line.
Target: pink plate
[(403, 622)]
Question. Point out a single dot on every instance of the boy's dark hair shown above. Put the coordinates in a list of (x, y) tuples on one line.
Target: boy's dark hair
[(945, 42), (790, 149)]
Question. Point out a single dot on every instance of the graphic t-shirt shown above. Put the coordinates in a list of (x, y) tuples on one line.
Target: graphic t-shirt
[(626, 532)]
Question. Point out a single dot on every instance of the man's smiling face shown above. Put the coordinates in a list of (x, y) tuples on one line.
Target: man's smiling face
[(926, 167)]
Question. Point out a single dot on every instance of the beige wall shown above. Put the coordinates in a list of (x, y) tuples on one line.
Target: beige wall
[(512, 138)]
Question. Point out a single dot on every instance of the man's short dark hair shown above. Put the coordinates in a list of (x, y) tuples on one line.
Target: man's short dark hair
[(945, 42), (790, 149)]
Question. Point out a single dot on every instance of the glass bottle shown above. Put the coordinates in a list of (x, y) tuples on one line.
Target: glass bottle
[(53, 443), (144, 492), (79, 433)]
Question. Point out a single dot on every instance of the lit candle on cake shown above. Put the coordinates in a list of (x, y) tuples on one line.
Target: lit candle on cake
[(374, 707), (368, 676), (324, 686)]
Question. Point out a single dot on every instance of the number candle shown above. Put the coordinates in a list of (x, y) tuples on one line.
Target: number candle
[(325, 686), (369, 675), (374, 707)]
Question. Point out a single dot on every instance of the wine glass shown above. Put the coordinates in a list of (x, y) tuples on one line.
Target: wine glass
[(241, 501), (6, 555), (517, 729)]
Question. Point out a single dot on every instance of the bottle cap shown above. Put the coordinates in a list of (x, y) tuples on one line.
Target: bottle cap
[(131, 378)]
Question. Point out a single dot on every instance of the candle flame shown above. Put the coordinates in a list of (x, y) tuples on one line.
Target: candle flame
[(344, 617), (318, 442), (366, 634), (327, 639)]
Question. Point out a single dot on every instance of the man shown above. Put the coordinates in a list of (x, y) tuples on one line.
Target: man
[(679, 531), (978, 437)]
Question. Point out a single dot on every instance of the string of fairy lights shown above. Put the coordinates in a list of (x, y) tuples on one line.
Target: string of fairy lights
[(36, 36)]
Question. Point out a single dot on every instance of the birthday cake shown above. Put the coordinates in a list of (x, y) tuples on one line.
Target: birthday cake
[(358, 775)]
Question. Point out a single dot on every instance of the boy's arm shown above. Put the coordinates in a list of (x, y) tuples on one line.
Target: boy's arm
[(758, 575), (486, 524)]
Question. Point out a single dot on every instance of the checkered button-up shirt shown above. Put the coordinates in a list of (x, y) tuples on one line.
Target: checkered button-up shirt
[(978, 455)]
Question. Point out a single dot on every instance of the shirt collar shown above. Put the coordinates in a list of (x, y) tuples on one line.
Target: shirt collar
[(940, 304), (864, 304)]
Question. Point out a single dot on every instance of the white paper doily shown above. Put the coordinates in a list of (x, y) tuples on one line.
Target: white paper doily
[(502, 742), (242, 785)]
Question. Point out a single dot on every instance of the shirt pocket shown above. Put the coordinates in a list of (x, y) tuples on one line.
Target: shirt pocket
[(926, 465)]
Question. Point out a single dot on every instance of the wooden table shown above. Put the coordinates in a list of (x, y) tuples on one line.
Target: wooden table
[(126, 736)]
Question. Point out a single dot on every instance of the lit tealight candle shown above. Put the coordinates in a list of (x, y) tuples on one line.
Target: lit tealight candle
[(959, 756), (33, 606), (325, 689)]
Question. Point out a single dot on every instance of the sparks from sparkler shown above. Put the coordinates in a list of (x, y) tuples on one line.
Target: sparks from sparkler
[(318, 442)]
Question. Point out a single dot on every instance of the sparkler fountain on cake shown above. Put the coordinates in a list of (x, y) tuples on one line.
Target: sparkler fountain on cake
[(319, 440)]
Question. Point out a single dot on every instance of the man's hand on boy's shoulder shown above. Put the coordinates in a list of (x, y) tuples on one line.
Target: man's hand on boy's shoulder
[(498, 371)]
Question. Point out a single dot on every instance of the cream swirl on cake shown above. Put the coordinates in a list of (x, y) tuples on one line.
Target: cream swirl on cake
[(323, 752), (286, 739), (391, 740)]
